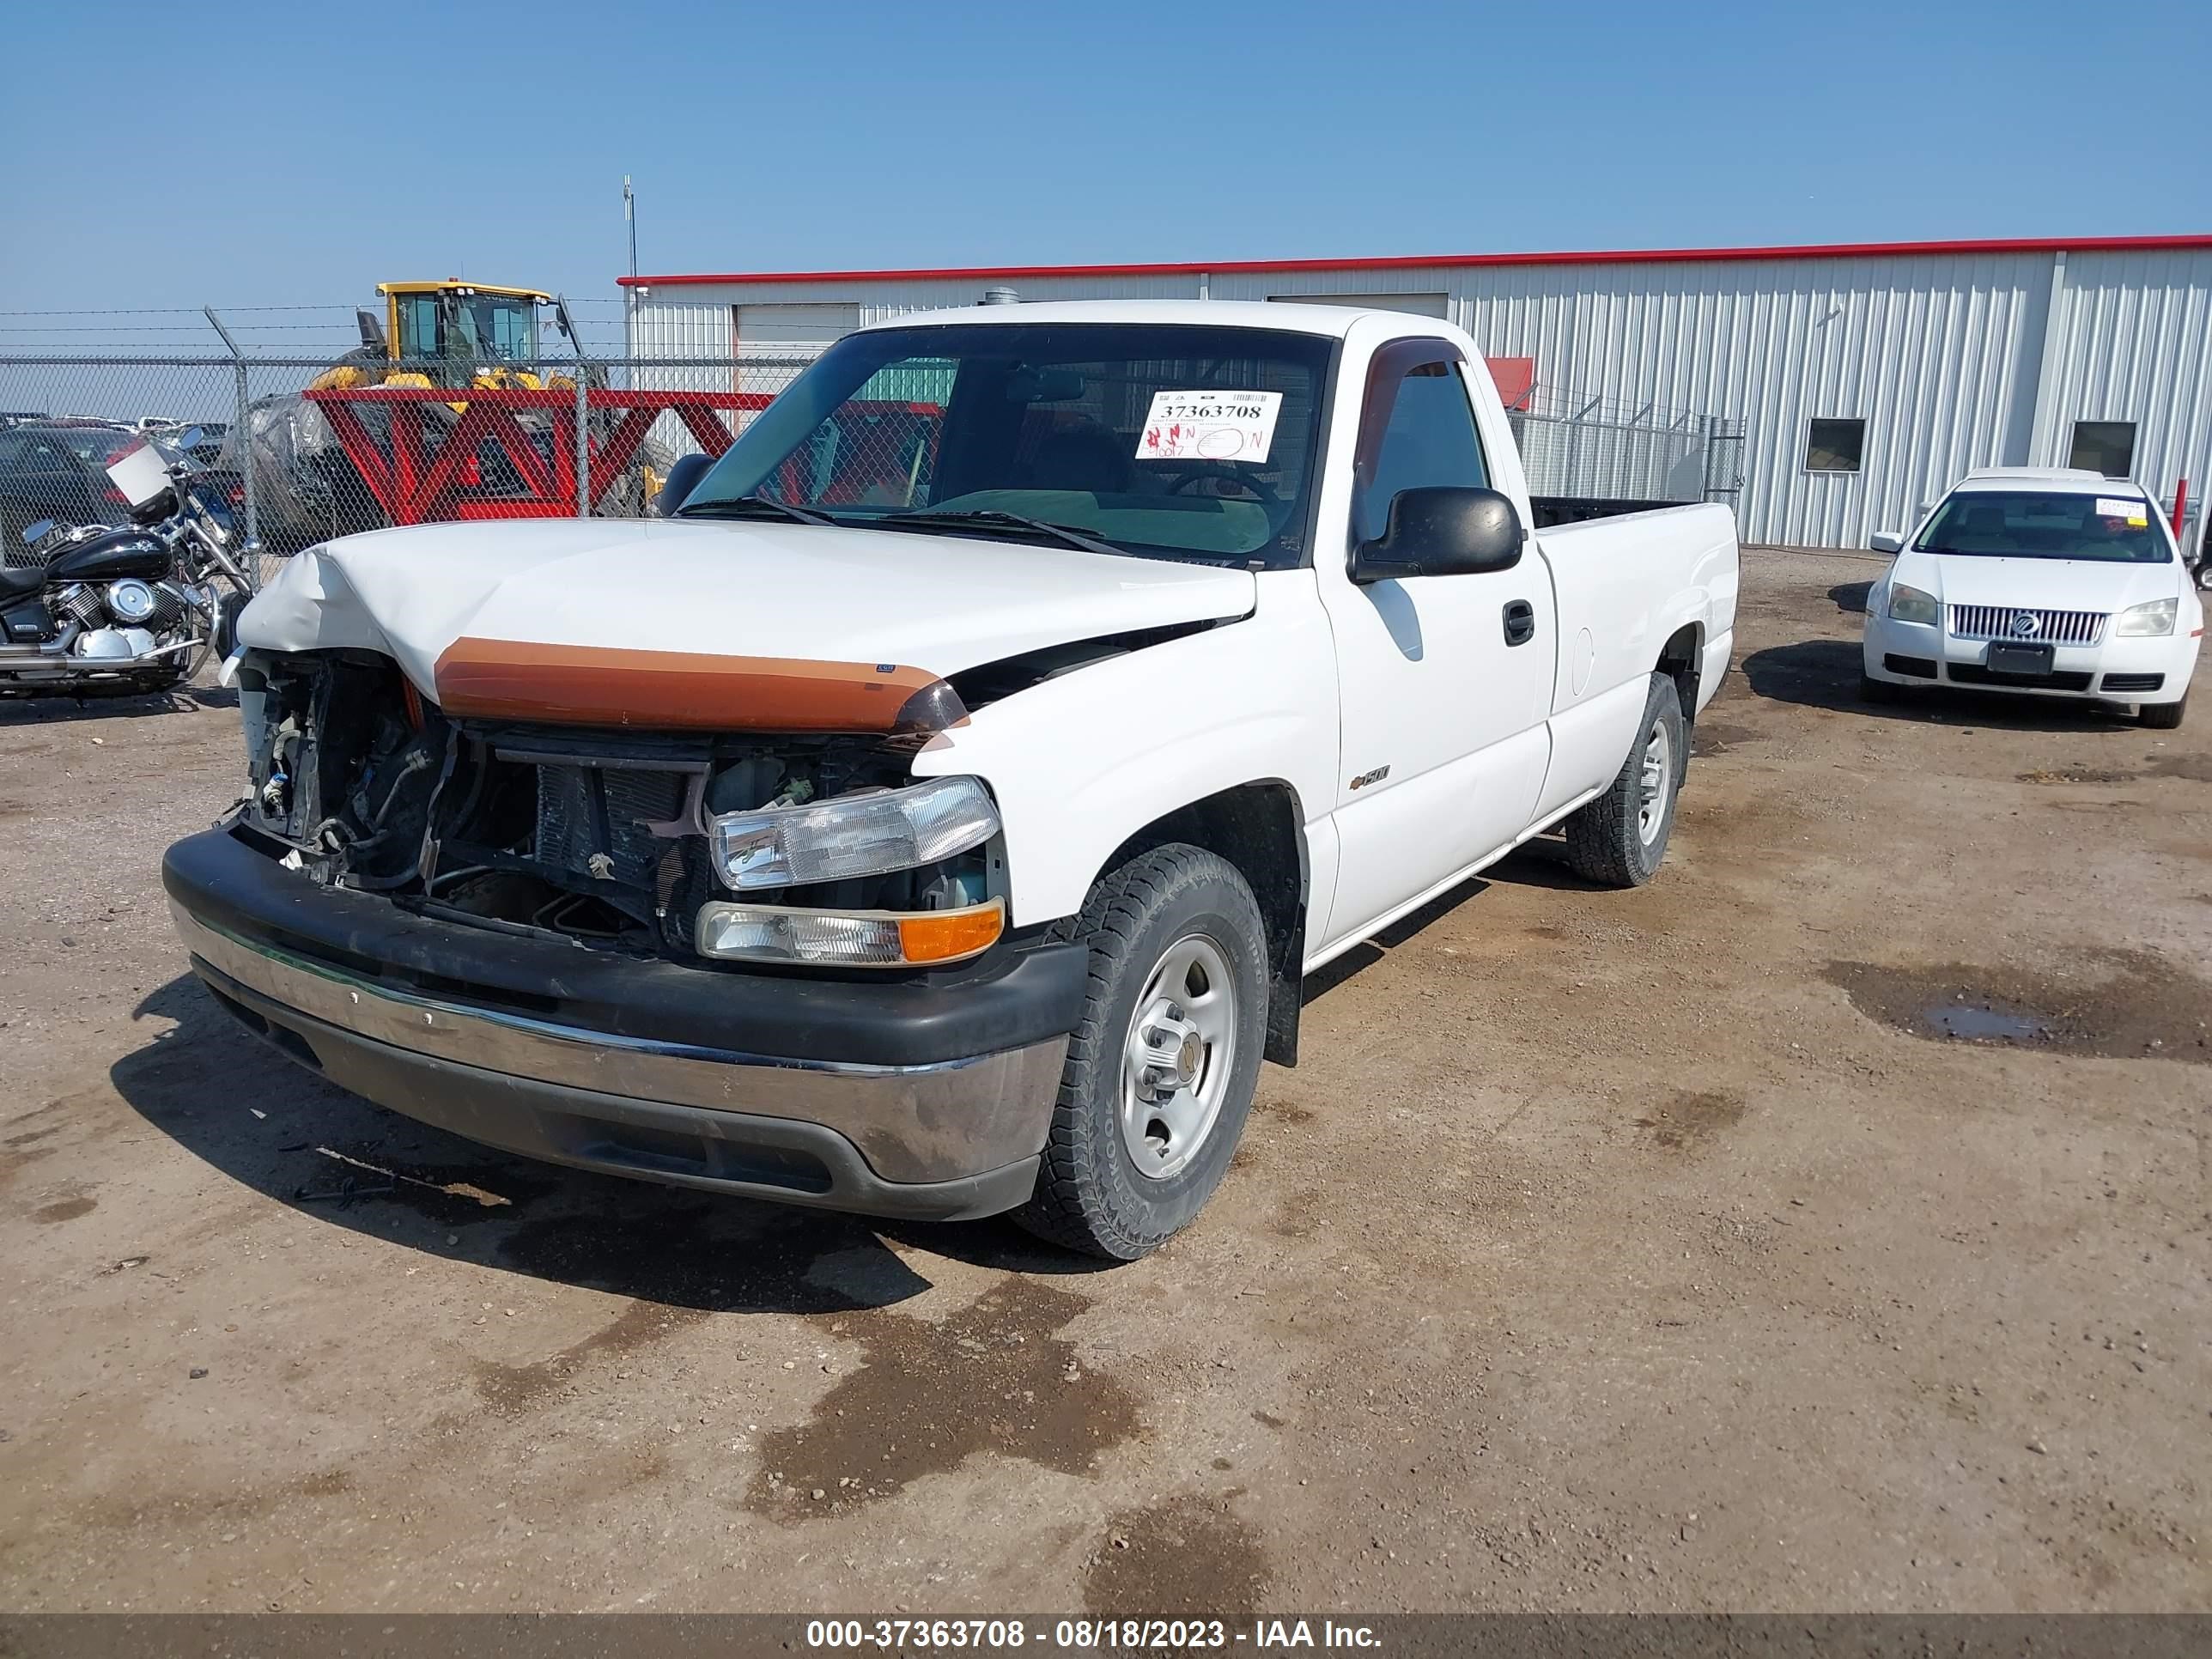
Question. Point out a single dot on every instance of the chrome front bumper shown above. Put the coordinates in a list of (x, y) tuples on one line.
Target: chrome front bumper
[(947, 1140)]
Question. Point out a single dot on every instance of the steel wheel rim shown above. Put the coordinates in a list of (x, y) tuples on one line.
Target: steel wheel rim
[(1652, 792), (1177, 1057)]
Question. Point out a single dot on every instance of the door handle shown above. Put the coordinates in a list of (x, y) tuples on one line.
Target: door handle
[(1520, 622)]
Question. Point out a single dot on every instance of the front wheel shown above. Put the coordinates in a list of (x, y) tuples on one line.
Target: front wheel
[(2163, 716), (1160, 1071), (1618, 839)]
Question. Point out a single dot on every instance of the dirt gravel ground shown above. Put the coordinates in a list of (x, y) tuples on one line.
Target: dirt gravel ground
[(1822, 1227)]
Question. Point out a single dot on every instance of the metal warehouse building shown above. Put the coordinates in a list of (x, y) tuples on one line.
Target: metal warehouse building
[(1863, 377)]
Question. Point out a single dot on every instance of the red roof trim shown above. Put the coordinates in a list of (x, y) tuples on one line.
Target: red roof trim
[(1432, 261)]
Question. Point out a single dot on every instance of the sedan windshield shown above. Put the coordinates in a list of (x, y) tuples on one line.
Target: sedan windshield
[(2019, 524), (1165, 442)]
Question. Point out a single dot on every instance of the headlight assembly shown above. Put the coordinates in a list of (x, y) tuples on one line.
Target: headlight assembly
[(1912, 604), (848, 939), (2145, 621), (868, 833)]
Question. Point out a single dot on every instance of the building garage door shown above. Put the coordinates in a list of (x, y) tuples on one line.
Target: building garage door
[(805, 327)]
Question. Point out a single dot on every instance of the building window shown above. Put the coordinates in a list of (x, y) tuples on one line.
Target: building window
[(2105, 447), (1834, 446)]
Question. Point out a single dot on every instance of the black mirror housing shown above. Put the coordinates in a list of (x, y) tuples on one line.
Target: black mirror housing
[(683, 478), (1442, 530)]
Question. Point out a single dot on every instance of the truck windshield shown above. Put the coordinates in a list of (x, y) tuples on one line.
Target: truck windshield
[(2018, 524), (1165, 442)]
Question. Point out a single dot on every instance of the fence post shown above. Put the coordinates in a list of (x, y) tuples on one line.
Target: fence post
[(1712, 431), (242, 419), (583, 439)]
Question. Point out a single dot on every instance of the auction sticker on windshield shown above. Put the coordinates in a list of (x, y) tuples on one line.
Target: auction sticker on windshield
[(2137, 514), (1210, 426)]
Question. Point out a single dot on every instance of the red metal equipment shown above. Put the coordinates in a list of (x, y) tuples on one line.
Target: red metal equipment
[(418, 478)]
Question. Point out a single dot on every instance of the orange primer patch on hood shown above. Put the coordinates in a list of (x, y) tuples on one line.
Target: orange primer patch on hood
[(682, 690)]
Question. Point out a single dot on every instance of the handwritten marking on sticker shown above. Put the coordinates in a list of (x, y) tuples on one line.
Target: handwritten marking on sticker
[(1210, 426), (2113, 507)]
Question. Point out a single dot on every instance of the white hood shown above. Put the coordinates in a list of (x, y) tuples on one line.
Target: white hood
[(937, 603), (2037, 584)]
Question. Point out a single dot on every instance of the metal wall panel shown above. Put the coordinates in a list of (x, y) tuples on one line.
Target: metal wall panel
[(1942, 355), (2132, 341), (1927, 350)]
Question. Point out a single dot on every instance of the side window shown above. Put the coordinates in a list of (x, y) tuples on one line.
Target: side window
[(1422, 433)]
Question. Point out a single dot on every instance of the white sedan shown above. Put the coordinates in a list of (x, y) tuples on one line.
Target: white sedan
[(2054, 584)]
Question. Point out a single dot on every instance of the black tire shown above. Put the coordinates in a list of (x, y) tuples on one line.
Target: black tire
[(1091, 1196), (1877, 691), (1605, 840), (2163, 716)]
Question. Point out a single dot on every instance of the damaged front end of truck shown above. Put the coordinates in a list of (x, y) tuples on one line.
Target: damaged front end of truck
[(692, 918), (791, 845)]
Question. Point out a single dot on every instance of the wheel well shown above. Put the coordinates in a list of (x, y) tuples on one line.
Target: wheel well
[(1258, 828), (1681, 659)]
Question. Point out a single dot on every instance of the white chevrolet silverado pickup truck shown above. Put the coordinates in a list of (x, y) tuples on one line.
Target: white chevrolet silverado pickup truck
[(935, 812)]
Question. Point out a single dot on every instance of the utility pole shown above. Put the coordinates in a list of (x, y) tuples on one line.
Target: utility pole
[(630, 217)]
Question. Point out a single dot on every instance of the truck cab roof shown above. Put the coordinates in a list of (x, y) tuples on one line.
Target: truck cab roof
[(1332, 321)]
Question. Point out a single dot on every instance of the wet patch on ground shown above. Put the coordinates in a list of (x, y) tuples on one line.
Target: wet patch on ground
[(12, 1163), (1718, 737), (1288, 1111), (992, 1377), (1689, 1120), (1177, 1558), (2197, 769), (2147, 1007), (65, 1209), (512, 1390)]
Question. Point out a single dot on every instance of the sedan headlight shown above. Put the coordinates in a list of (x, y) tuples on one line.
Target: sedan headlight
[(868, 833), (1912, 604), (2142, 621)]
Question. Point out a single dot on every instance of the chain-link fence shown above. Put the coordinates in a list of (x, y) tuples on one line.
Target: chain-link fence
[(1601, 449), (304, 448), (312, 429)]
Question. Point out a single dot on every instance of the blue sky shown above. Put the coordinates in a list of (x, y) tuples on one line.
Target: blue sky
[(249, 153)]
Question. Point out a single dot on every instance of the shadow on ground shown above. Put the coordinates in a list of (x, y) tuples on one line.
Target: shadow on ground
[(1825, 674), (269, 1124), (19, 708)]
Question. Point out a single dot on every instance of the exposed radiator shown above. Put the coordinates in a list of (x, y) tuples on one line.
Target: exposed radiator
[(584, 810)]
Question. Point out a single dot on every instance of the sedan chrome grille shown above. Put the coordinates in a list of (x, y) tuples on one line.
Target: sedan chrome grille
[(2004, 622)]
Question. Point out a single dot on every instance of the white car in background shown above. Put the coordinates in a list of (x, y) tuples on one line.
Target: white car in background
[(2056, 584)]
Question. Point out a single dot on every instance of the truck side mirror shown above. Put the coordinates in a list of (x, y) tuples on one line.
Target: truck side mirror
[(1445, 529), (1886, 541), (683, 478)]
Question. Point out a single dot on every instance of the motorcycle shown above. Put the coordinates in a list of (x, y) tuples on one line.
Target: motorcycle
[(137, 609)]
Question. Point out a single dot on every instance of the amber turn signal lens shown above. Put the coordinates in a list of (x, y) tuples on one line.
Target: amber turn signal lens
[(947, 935)]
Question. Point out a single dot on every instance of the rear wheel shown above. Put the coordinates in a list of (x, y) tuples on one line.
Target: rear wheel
[(1620, 838), (1161, 1070), (2163, 716)]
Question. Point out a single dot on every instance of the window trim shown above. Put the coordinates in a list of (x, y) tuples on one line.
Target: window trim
[(1387, 369), (2074, 442), (1805, 451)]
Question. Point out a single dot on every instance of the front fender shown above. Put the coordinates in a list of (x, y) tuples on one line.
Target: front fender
[(1080, 764)]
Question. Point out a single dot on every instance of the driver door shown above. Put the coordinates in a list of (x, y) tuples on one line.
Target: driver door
[(1445, 681)]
